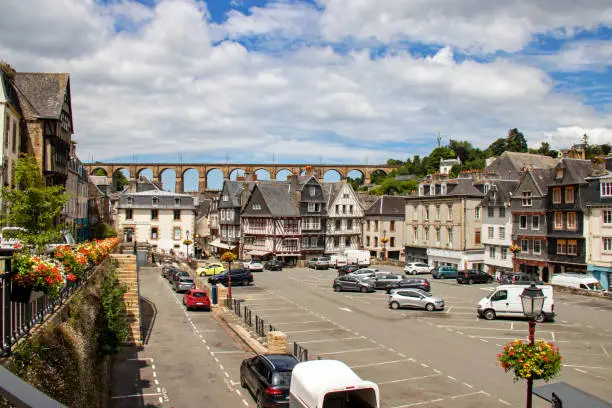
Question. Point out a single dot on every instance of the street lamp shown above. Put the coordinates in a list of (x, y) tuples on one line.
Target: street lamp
[(187, 244), (532, 300)]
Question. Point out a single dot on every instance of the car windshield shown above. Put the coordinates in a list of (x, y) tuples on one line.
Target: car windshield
[(198, 294), (282, 378), (594, 286)]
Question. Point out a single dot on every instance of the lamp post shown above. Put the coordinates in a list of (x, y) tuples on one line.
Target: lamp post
[(187, 244), (532, 300), (196, 244)]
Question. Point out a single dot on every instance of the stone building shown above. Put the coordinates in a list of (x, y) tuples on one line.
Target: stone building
[(385, 220), (74, 213), (344, 218), (11, 127)]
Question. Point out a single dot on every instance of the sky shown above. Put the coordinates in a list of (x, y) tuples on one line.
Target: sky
[(310, 81)]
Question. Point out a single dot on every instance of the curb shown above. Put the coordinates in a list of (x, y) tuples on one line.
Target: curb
[(241, 332)]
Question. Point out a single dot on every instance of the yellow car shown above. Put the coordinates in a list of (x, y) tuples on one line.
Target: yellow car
[(214, 268)]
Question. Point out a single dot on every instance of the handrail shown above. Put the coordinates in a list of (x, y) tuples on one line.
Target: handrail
[(23, 395)]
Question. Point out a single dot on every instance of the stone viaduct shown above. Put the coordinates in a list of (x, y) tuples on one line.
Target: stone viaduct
[(203, 170)]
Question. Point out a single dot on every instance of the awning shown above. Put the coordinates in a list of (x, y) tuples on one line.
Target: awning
[(569, 396), (217, 243), (257, 252)]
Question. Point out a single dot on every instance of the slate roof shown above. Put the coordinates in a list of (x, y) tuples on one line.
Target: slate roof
[(464, 187), (41, 94), (499, 193), (331, 191), (155, 193), (99, 180), (278, 200), (509, 164), (388, 205), (366, 200), (10, 94), (543, 178), (575, 171)]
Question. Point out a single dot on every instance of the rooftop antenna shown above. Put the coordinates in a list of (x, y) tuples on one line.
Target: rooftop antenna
[(439, 139)]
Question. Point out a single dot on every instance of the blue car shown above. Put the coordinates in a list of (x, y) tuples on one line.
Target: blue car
[(444, 272)]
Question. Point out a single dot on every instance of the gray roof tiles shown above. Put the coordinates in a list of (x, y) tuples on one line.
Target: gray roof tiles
[(509, 164), (388, 205), (278, 200), (41, 94)]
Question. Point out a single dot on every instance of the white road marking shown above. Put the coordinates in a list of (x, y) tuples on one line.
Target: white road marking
[(304, 322), (136, 395), (582, 371), (346, 309), (238, 392), (468, 385), (424, 365), (451, 378), (379, 364), (449, 309), (409, 379), (161, 400), (245, 402), (604, 350), (348, 351), (308, 331), (401, 355), (328, 340), (438, 371), (485, 341), (504, 402)]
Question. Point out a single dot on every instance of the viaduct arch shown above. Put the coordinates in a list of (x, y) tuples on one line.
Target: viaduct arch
[(318, 170)]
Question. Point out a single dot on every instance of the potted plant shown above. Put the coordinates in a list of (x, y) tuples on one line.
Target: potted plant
[(538, 361), (35, 274)]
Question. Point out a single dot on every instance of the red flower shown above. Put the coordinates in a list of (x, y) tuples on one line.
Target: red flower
[(71, 277)]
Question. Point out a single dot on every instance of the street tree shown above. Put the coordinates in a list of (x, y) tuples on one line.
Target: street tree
[(32, 205), (516, 141)]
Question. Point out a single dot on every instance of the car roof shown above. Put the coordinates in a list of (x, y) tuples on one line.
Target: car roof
[(280, 362)]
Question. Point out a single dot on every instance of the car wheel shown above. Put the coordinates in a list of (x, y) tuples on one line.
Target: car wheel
[(337, 288), (188, 308), (489, 314), (260, 401), (363, 290), (394, 305), (540, 318), (429, 307), (414, 272), (471, 281)]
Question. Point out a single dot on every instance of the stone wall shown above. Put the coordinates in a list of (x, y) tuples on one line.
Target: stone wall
[(127, 273)]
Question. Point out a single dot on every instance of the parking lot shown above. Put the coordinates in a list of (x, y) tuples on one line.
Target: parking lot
[(421, 358)]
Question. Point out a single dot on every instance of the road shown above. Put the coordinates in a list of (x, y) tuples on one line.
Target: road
[(436, 359)]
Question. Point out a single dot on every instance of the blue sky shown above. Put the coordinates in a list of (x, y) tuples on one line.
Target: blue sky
[(310, 81)]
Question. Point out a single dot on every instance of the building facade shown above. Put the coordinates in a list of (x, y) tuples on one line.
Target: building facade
[(74, 213), (11, 127), (383, 229), (161, 218), (312, 213), (229, 209), (344, 218), (497, 227)]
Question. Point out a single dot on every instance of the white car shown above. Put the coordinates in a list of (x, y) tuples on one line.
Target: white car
[(255, 266), (416, 267)]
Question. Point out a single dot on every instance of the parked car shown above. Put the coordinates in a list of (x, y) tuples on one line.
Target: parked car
[(65, 239), (412, 283), (444, 272), (353, 283), (415, 298), (255, 266), (211, 269), (336, 261), (384, 280), (506, 301), (196, 299), (366, 273), (520, 278), (343, 270), (183, 283), (268, 378), (416, 267), (274, 265), (166, 270), (240, 277), (8, 237), (578, 281), (176, 275), (473, 276), (318, 263)]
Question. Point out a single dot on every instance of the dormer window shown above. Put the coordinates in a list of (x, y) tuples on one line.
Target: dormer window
[(177, 202), (487, 187), (155, 201), (225, 197), (256, 207), (443, 189), (559, 174), (312, 191), (606, 188)]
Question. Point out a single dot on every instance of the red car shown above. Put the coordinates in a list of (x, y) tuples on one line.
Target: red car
[(196, 299)]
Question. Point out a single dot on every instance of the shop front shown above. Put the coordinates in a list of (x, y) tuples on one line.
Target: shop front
[(416, 254), (603, 274)]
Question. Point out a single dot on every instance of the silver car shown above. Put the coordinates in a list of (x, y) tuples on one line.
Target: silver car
[(365, 273), (183, 284), (415, 298)]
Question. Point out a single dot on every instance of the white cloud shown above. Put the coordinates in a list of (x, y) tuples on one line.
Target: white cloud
[(580, 56), (564, 137), (168, 87)]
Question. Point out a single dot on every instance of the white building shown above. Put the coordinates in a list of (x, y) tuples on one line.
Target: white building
[(447, 165), (497, 227), (344, 218), (10, 125), (384, 220), (161, 218)]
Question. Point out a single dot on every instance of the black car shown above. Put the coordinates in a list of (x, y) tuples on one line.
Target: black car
[(240, 277), (418, 283), (268, 378), (520, 279), (473, 276), (343, 270), (274, 265)]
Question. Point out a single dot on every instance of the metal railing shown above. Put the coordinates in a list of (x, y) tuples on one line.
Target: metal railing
[(21, 394), (248, 319), (299, 352), (260, 327), (18, 319)]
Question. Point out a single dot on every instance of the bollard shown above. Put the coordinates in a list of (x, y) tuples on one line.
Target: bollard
[(213, 293)]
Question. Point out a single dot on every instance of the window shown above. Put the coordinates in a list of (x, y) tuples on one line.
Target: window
[(504, 253), (502, 232), (154, 214), (432, 189), (177, 215), (607, 216), (376, 242), (351, 209), (415, 215), (571, 220), (556, 195), (291, 226), (524, 245), (535, 222), (477, 213), (491, 212), (526, 199), (338, 225), (572, 247), (443, 189), (176, 233), (523, 224), (502, 212), (312, 191), (561, 246), (177, 202), (486, 188), (392, 242), (426, 212), (129, 213), (314, 242), (368, 240), (344, 208), (337, 208), (154, 233), (155, 201), (256, 206), (438, 235), (558, 220), (450, 212), (349, 225), (569, 195), (392, 226), (426, 234), (345, 195), (225, 197), (305, 242), (376, 226), (606, 188), (314, 207), (368, 225), (450, 237), (477, 237), (607, 244), (559, 173), (492, 252), (491, 232), (537, 247)]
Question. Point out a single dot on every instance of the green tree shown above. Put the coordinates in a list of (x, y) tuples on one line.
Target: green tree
[(497, 147), (99, 172), (32, 205), (516, 141), (120, 181), (355, 182), (391, 186), (393, 162)]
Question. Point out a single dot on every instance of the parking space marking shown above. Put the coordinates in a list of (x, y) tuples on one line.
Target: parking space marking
[(604, 350), (309, 331), (381, 363), (422, 377), (304, 322), (348, 351), (504, 402), (328, 340), (580, 370)]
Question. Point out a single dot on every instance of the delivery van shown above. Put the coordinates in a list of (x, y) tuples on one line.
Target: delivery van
[(572, 280), (358, 257), (330, 384), (505, 300)]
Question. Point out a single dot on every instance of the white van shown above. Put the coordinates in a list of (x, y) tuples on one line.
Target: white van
[(330, 384), (358, 257), (336, 261), (505, 301), (571, 280)]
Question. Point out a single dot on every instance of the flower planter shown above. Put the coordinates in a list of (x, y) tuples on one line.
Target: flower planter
[(25, 294)]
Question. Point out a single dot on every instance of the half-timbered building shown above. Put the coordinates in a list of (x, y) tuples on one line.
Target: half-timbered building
[(344, 218), (313, 215)]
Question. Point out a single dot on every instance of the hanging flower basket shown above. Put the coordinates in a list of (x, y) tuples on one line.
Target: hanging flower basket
[(540, 361), (515, 249), (25, 294)]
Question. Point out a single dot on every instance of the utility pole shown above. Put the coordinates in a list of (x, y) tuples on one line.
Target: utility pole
[(439, 138)]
